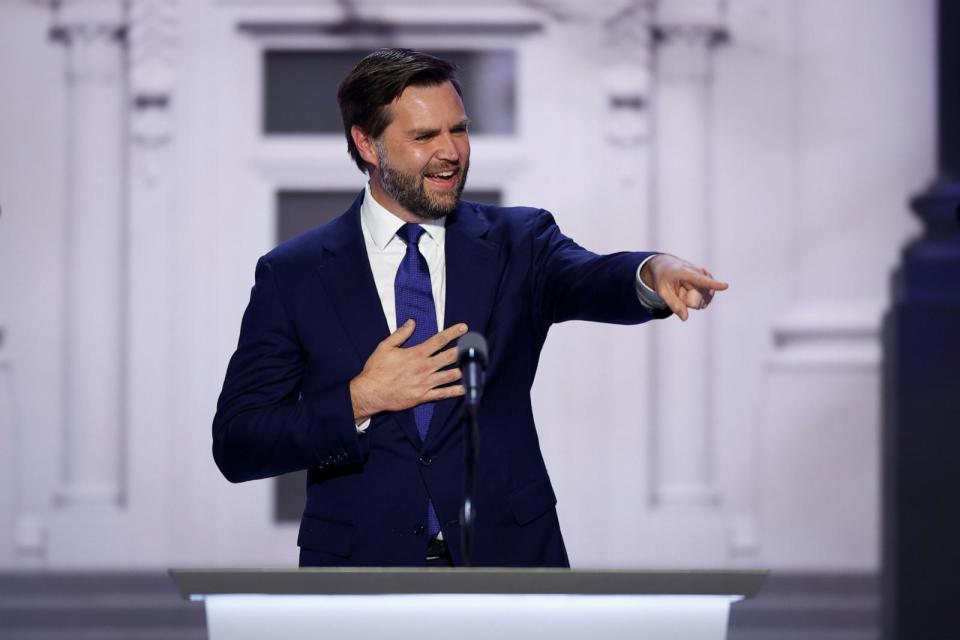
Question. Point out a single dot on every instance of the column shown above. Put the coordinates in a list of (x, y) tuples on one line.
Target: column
[(686, 34), (92, 34), (921, 385)]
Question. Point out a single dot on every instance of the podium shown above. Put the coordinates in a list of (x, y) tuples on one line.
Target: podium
[(466, 604)]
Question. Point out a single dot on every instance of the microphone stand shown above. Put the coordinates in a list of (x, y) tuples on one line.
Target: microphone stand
[(471, 447), (472, 356)]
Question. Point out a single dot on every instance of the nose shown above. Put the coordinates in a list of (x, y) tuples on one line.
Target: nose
[(447, 149)]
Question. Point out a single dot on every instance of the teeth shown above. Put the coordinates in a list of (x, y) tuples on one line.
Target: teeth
[(445, 174)]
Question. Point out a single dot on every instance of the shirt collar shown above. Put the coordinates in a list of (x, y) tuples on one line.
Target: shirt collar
[(383, 225)]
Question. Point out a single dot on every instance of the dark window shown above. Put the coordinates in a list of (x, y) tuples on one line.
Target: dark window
[(300, 211), (300, 89)]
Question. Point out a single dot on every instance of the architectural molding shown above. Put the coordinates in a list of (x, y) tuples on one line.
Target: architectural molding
[(154, 39), (154, 36), (380, 18), (686, 31), (79, 33), (628, 77), (321, 164), (691, 15), (828, 333), (599, 11), (87, 21), (386, 28)]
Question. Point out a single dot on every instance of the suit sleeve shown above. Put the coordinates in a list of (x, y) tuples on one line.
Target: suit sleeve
[(264, 426), (572, 283)]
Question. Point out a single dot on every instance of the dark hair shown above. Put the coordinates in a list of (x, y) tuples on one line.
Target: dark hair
[(367, 91)]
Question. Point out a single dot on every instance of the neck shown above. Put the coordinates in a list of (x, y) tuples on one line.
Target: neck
[(387, 202)]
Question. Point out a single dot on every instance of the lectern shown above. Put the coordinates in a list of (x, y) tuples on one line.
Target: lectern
[(466, 604)]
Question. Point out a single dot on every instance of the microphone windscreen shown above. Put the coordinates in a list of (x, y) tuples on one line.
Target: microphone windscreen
[(475, 341)]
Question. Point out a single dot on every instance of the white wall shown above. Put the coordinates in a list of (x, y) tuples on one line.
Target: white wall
[(825, 128), (821, 128), (32, 180)]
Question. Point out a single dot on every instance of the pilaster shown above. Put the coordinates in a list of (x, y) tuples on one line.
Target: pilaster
[(687, 34), (92, 35)]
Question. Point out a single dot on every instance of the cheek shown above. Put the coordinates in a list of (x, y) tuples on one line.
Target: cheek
[(417, 161), (407, 158)]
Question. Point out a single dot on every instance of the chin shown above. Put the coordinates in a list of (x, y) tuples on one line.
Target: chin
[(443, 206)]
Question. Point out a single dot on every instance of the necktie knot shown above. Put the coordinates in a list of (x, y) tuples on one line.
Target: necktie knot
[(410, 233)]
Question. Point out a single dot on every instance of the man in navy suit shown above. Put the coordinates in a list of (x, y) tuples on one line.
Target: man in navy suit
[(341, 368)]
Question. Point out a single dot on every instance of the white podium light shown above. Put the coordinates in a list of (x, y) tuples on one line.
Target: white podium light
[(468, 617), (469, 604)]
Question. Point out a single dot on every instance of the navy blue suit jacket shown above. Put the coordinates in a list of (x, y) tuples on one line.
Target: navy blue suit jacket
[(314, 318)]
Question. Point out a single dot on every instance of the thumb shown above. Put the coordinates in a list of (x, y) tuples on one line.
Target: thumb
[(401, 335)]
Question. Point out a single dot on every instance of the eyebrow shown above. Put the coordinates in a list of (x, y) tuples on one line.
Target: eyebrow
[(462, 124)]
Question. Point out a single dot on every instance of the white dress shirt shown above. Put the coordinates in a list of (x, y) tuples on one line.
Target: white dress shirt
[(385, 251)]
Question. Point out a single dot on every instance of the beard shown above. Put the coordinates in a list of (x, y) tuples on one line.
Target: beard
[(410, 190)]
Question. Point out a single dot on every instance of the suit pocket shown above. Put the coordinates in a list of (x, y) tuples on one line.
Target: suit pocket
[(318, 534), (530, 502)]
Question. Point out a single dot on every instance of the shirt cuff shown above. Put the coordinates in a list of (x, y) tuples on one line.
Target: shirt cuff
[(362, 427), (647, 296)]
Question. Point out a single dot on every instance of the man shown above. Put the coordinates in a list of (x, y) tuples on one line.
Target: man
[(341, 368)]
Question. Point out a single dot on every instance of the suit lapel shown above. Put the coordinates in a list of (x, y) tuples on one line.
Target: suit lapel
[(471, 282), (346, 276)]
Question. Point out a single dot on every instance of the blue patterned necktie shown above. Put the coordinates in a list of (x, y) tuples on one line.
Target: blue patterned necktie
[(414, 299)]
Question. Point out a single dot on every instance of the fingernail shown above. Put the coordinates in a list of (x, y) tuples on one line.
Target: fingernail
[(463, 328)]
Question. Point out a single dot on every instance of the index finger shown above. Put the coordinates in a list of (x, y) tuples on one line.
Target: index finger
[(436, 342), (704, 282)]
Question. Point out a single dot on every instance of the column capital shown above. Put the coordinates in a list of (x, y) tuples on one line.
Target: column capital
[(87, 21), (691, 22), (577, 10)]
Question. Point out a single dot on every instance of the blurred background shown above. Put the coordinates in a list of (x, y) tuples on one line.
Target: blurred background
[(152, 150)]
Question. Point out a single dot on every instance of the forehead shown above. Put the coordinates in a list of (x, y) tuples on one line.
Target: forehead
[(430, 106)]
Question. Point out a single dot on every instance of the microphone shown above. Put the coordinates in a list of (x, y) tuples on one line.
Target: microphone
[(472, 360)]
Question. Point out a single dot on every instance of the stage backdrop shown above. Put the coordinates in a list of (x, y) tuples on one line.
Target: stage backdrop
[(150, 151)]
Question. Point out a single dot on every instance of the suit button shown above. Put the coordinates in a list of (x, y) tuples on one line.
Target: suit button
[(426, 460), (418, 529)]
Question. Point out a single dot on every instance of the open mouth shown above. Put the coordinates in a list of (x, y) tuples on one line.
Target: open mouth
[(443, 179)]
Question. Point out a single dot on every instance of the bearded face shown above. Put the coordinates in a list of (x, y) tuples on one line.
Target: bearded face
[(431, 193)]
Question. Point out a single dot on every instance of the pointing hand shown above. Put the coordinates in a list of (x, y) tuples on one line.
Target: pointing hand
[(681, 284)]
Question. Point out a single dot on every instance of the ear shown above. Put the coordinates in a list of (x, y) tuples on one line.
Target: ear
[(365, 146)]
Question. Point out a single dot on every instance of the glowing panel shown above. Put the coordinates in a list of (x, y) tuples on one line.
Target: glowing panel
[(468, 617)]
